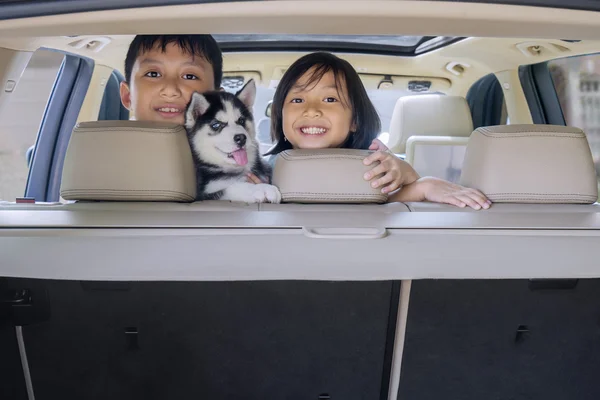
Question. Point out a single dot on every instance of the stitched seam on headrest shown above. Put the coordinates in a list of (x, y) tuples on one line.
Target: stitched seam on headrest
[(323, 156), (492, 135), (530, 128), (325, 198), (539, 194), (591, 199), (531, 131), (144, 130), (334, 194), (126, 193), (342, 153), (128, 190)]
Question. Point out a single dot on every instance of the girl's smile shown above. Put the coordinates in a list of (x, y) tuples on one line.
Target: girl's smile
[(316, 114)]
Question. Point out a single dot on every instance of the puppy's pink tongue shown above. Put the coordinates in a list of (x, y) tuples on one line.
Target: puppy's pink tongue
[(240, 156)]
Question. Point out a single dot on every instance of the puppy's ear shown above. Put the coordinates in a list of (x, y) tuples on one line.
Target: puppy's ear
[(247, 94), (198, 106)]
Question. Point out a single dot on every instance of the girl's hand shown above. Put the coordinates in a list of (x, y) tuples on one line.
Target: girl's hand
[(441, 191), (395, 172)]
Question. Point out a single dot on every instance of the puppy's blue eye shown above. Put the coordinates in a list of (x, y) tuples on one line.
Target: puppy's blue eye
[(241, 121), (215, 126)]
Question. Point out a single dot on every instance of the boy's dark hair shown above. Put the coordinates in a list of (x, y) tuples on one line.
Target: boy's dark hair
[(199, 45), (364, 114)]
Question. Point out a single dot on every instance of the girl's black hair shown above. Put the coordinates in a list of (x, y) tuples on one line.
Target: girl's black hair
[(364, 115)]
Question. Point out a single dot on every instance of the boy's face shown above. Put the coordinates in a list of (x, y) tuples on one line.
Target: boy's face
[(162, 84)]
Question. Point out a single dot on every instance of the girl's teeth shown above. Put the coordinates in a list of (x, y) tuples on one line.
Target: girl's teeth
[(313, 131), (167, 109)]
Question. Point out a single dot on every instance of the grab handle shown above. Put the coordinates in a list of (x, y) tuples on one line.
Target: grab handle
[(345, 233)]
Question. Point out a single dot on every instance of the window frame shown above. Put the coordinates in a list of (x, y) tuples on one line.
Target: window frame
[(60, 116)]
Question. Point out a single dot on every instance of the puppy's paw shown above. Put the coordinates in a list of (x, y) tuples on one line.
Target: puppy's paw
[(264, 193)]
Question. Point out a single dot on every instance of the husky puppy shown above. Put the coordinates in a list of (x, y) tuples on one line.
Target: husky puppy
[(221, 132)]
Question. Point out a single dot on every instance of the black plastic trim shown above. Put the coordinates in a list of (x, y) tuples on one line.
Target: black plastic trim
[(531, 95), (485, 98), (540, 93), (547, 93)]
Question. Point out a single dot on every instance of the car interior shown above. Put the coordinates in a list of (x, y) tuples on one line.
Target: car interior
[(116, 283)]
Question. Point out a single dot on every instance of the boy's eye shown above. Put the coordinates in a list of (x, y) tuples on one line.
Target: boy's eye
[(190, 76), (152, 74), (241, 121)]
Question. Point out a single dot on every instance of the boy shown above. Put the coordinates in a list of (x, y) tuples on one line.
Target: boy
[(162, 72)]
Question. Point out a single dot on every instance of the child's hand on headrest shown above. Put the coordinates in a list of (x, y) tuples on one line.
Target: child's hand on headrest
[(441, 191), (391, 170)]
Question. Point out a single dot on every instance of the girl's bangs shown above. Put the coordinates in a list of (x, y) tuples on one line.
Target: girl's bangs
[(339, 75)]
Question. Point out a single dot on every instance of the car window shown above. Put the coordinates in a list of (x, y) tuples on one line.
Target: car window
[(20, 120), (577, 84)]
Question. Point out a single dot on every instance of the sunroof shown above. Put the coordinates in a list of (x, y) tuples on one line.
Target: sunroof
[(379, 44), (381, 39)]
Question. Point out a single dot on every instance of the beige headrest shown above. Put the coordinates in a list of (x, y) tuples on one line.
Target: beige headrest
[(324, 176), (428, 115), (531, 164), (128, 161)]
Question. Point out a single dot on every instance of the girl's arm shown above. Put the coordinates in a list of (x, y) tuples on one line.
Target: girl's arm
[(397, 173), (440, 191)]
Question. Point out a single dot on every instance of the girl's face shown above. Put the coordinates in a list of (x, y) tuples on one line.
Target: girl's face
[(317, 116)]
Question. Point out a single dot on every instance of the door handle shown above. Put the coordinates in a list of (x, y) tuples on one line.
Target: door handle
[(345, 233)]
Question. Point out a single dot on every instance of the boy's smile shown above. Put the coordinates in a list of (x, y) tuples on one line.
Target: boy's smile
[(162, 84)]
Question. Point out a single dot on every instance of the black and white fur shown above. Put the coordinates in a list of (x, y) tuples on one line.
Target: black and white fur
[(218, 124)]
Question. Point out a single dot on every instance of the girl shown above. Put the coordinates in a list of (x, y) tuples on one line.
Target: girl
[(321, 102)]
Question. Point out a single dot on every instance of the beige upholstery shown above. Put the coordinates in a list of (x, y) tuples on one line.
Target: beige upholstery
[(128, 161), (439, 156), (428, 115), (324, 176), (531, 164)]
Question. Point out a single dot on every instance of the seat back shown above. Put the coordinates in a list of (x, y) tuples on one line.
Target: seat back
[(432, 131), (439, 156), (428, 115), (516, 338)]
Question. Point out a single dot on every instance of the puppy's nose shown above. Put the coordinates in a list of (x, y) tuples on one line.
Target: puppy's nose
[(240, 139)]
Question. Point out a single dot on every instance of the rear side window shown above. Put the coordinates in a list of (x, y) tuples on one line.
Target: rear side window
[(577, 84), (20, 118)]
